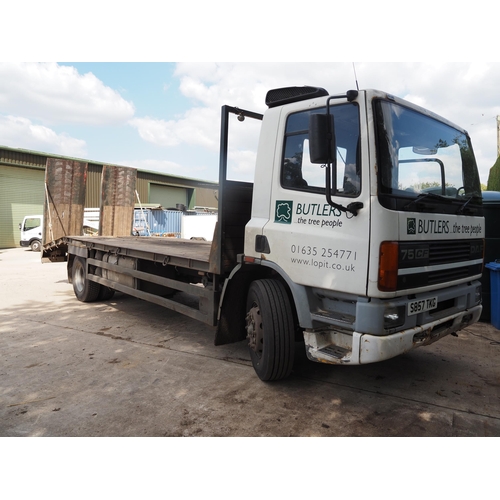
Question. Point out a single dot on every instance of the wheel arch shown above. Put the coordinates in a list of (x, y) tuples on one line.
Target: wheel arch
[(298, 295), (69, 267), (231, 317), (74, 251)]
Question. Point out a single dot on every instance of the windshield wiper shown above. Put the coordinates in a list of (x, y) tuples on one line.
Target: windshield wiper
[(422, 196), (463, 207)]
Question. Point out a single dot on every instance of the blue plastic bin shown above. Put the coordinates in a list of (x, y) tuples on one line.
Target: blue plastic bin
[(491, 209), (494, 268)]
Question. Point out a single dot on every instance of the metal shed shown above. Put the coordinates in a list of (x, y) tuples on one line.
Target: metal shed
[(22, 174)]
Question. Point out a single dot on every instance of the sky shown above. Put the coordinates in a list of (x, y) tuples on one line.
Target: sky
[(165, 116), (143, 88)]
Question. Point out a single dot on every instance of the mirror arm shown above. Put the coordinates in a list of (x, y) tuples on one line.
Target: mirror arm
[(351, 208), (323, 130)]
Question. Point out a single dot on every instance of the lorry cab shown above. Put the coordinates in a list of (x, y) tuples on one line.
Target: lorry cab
[(370, 209), (31, 232)]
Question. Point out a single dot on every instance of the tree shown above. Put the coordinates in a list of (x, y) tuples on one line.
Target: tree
[(494, 177)]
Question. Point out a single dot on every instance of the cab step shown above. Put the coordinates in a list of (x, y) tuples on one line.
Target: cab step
[(332, 347), (335, 351)]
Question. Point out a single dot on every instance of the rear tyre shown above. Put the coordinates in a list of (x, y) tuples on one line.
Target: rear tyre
[(270, 329), (105, 293), (85, 290)]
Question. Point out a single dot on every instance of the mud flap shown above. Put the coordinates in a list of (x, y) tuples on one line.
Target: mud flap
[(231, 323)]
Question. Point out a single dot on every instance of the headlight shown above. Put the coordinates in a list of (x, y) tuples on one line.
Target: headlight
[(394, 316), (478, 295)]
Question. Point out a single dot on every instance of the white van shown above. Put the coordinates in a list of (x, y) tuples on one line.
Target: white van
[(32, 228), (31, 232)]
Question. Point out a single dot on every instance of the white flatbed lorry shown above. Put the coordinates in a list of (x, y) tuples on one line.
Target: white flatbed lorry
[(362, 236)]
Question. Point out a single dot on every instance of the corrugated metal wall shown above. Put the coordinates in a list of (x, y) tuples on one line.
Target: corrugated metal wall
[(93, 193), (146, 179), (27, 174), (21, 158), (199, 193), (207, 197), (169, 196), (21, 193)]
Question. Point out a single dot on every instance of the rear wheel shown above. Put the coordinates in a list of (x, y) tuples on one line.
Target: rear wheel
[(105, 293), (270, 329), (85, 290)]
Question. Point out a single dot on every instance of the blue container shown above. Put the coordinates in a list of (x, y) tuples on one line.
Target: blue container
[(494, 268), (159, 221)]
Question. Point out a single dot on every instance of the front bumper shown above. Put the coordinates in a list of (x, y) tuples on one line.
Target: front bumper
[(356, 348)]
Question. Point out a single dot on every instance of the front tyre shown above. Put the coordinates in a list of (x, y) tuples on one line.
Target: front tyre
[(270, 329), (85, 290), (36, 245)]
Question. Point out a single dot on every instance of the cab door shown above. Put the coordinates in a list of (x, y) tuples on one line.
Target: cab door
[(317, 244), (32, 228)]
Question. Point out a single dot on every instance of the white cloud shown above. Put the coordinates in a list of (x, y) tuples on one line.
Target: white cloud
[(246, 84), (195, 128), (211, 85), (416, 99), (59, 94), (464, 93), (18, 132), (158, 132), (241, 164)]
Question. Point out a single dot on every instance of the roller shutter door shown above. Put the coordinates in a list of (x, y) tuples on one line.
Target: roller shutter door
[(21, 193), (167, 196)]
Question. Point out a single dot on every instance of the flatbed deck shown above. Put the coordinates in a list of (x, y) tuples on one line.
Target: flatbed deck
[(193, 254), (146, 267)]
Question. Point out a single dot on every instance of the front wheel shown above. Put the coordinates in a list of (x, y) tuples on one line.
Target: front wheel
[(36, 245), (270, 329), (85, 290)]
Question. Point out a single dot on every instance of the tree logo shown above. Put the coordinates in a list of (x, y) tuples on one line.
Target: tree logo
[(411, 225), (284, 211)]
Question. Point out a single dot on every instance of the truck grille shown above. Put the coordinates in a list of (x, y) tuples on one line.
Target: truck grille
[(431, 263), (442, 252)]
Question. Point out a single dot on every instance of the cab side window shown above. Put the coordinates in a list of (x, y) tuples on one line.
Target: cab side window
[(31, 223), (298, 173)]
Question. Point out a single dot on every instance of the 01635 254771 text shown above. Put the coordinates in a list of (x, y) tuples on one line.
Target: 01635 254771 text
[(323, 258)]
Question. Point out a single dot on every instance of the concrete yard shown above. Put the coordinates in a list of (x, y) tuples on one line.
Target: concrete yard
[(129, 368)]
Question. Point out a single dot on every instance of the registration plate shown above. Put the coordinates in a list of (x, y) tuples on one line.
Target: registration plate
[(418, 306)]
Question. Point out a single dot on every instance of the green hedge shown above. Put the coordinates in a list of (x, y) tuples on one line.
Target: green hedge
[(494, 177)]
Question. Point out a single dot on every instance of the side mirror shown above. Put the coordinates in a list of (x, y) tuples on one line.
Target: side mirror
[(322, 147)]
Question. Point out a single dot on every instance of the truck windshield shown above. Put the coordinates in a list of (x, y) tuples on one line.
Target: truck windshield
[(424, 164)]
